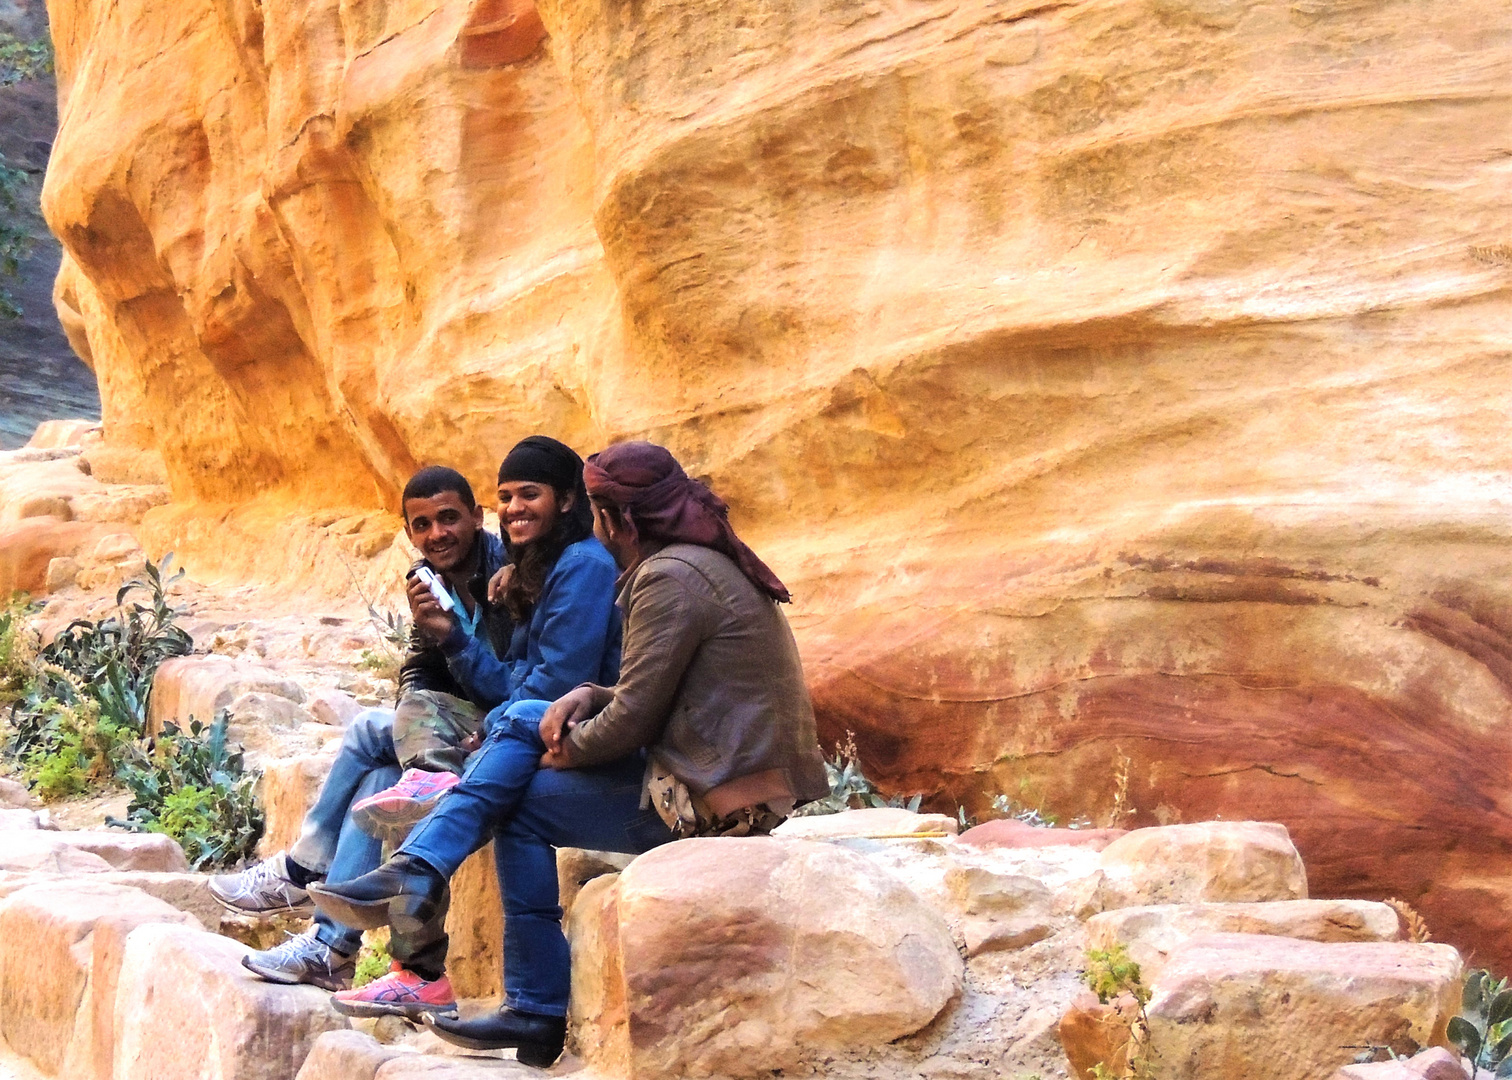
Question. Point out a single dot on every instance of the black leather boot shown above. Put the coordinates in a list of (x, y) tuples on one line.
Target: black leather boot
[(403, 890), (537, 1039)]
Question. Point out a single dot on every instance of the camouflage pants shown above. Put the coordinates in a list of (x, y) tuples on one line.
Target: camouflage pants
[(429, 729)]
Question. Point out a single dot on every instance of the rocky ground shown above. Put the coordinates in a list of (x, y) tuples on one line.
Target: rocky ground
[(870, 945)]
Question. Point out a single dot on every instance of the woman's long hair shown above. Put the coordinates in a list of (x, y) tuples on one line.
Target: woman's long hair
[(533, 562)]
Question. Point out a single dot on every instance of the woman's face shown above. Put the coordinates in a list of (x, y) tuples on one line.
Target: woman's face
[(528, 510)]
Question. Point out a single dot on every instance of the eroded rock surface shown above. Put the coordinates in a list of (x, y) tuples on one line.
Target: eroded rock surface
[(737, 956), (1105, 379)]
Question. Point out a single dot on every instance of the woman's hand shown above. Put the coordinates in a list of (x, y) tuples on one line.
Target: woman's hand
[(434, 623), (562, 715), (498, 583)]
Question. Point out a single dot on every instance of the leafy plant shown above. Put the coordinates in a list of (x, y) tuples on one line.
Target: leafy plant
[(84, 696), (1483, 1031), (849, 787), (1112, 974), (16, 649), (195, 788), (373, 959)]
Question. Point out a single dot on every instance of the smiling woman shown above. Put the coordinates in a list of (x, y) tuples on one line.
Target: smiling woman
[(543, 509)]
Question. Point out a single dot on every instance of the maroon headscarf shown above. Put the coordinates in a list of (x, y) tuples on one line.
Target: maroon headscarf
[(670, 506)]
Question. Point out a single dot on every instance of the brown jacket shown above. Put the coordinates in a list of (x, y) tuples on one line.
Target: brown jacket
[(710, 681)]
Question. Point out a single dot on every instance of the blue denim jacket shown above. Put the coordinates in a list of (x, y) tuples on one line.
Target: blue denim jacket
[(573, 636)]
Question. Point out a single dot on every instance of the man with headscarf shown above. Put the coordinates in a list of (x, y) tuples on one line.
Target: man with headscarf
[(708, 731)]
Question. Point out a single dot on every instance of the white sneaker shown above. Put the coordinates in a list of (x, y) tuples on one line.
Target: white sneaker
[(263, 889)]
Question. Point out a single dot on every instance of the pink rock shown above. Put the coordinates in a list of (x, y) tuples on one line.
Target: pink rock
[(1008, 833)]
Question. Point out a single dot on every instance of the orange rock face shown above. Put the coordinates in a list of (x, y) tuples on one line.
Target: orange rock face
[(1118, 381)]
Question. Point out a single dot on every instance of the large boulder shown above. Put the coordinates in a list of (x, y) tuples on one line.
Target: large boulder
[(1011, 833), (1435, 1064), (1212, 860), (345, 1055), (1150, 933), (289, 787), (733, 956), (61, 948), (185, 1007), (475, 924), (146, 852), (37, 851), (875, 822), (199, 687), (1273, 1008)]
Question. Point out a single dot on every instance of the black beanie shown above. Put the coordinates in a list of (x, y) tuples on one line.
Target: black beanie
[(542, 460)]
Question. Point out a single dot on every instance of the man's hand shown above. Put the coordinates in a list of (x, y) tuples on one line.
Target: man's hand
[(499, 582), (562, 715), (427, 614)]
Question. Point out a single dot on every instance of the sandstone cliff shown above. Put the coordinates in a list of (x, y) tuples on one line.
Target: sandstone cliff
[(1107, 378)]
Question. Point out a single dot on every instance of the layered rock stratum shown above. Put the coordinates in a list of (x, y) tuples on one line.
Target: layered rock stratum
[(1113, 382)]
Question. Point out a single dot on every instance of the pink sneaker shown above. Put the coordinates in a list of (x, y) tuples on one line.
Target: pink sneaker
[(393, 810), (399, 993)]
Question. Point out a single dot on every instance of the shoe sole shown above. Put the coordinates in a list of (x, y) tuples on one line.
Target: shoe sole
[(384, 819), (299, 911), (360, 914), (273, 975), (414, 1012), (526, 1053)]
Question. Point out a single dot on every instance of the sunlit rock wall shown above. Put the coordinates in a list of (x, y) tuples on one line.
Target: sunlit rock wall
[(1114, 379)]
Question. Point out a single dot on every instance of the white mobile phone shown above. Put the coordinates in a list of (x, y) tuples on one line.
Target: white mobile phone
[(437, 589)]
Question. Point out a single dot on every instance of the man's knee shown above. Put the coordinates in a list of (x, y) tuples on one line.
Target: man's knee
[(371, 733), (527, 710)]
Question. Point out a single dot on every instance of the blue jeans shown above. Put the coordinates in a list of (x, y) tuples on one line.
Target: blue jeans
[(329, 843), (530, 812)]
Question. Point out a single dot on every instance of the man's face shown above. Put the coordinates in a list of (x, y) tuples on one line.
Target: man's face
[(442, 528), (616, 541)]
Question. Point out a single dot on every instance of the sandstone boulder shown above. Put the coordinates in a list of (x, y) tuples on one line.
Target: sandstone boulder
[(1273, 1008), (199, 687), (345, 1055), (29, 545), (868, 823), (1150, 933), (1009, 833), (289, 787), (186, 1007), (1000, 911), (418, 1066), (475, 924), (733, 956), (47, 852), (148, 852), (13, 793), (61, 948), (1435, 1064), (577, 866), (1244, 861), (19, 821), (188, 892), (54, 434), (334, 707)]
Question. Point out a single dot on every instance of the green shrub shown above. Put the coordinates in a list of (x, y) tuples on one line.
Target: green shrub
[(1112, 973), (84, 696), (1483, 1031), (849, 787), (373, 959), (195, 788)]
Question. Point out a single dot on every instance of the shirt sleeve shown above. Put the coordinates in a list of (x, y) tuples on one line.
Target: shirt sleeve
[(477, 668), (574, 616), (667, 625)]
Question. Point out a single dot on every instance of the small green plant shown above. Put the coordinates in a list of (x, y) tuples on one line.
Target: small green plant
[(1113, 975), (373, 959), (18, 60), (77, 702), (849, 787), (195, 788), (1483, 1030)]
